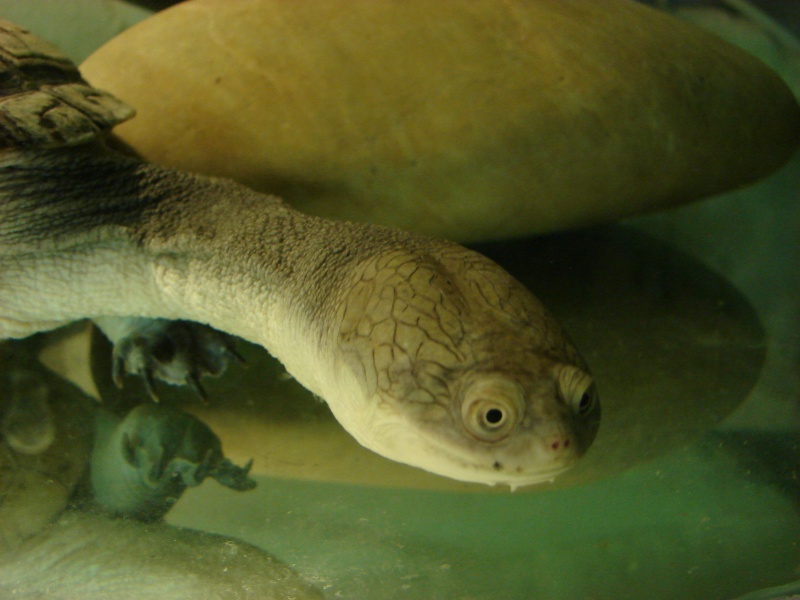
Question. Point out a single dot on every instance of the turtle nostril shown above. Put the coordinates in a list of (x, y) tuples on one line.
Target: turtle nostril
[(557, 444)]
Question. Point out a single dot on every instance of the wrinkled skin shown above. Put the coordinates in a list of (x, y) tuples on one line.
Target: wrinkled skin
[(395, 331)]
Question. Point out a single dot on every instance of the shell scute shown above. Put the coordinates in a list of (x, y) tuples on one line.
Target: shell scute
[(44, 102)]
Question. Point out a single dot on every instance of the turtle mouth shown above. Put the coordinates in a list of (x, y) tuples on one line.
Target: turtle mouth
[(514, 478), (522, 478), (517, 476), (458, 463)]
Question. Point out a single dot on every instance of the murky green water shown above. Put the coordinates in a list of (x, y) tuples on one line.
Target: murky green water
[(672, 502), (692, 489)]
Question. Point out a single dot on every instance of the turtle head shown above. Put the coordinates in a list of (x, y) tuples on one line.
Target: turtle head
[(451, 365)]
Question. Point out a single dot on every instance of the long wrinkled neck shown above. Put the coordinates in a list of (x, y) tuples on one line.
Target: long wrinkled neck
[(90, 233), (64, 254), (51, 199), (241, 261)]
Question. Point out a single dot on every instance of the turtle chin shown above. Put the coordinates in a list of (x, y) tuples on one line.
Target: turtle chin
[(427, 435), (527, 460), (500, 466), (474, 467)]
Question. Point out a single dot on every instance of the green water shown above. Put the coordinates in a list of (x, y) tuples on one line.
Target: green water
[(696, 524), (713, 518)]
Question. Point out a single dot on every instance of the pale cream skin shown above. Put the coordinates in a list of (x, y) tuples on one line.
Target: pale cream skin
[(426, 352)]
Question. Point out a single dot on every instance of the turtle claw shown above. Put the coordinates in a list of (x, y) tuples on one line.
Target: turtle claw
[(233, 476), (234, 354), (174, 352), (193, 381), (150, 385), (119, 371), (141, 465)]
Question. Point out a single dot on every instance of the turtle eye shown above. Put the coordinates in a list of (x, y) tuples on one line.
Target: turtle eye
[(576, 388), (492, 409)]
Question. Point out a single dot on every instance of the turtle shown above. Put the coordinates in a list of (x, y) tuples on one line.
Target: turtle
[(426, 352), (82, 493)]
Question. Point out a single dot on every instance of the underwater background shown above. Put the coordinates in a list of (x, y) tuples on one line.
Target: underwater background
[(717, 517)]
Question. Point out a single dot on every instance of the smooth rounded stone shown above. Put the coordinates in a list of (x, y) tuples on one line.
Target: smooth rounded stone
[(92, 557), (674, 349), (477, 120)]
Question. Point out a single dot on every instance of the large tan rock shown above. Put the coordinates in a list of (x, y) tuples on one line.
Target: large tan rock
[(469, 119)]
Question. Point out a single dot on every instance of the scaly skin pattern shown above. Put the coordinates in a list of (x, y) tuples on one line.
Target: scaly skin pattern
[(426, 352)]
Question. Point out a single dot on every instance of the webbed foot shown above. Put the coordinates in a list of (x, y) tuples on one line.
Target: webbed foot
[(141, 465), (175, 352)]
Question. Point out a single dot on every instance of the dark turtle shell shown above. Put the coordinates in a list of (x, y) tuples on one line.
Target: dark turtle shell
[(44, 101)]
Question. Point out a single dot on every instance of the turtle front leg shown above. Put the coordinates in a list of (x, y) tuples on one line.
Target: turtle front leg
[(143, 463), (175, 352)]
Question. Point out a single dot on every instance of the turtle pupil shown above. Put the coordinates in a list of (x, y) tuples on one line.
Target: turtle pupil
[(494, 416), (585, 403)]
